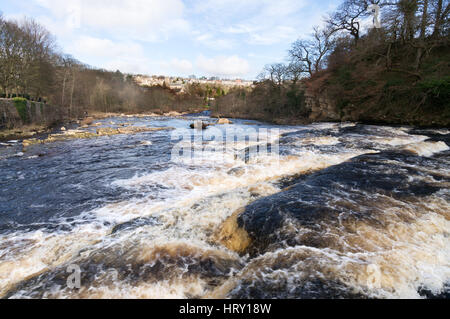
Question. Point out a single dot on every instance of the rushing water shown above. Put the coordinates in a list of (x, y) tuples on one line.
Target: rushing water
[(350, 211)]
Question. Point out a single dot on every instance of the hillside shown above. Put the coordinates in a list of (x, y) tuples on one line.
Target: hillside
[(361, 88), (397, 72)]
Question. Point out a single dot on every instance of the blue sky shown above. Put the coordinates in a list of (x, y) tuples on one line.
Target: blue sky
[(226, 38)]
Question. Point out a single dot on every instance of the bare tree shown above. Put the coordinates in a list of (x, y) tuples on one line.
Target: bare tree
[(301, 53), (422, 44), (295, 71), (12, 55), (311, 53), (348, 17), (276, 73), (408, 9), (37, 61), (440, 11)]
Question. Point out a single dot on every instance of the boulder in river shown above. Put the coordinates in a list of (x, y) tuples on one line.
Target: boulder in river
[(32, 141), (199, 125), (232, 236), (224, 121), (87, 121), (105, 131)]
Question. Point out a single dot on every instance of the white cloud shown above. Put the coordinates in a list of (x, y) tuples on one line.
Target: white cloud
[(241, 29), (228, 66), (261, 22), (214, 42), (276, 35), (105, 47), (127, 57), (179, 66), (167, 36), (146, 20)]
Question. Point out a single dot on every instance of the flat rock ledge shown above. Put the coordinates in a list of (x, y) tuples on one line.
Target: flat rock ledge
[(78, 134)]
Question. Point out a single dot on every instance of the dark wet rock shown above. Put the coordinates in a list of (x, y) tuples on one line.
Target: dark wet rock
[(427, 293), (46, 227), (334, 194), (246, 154), (237, 171), (432, 134), (314, 288), (128, 266), (289, 181), (135, 223), (200, 124)]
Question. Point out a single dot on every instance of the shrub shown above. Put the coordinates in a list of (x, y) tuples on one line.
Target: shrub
[(21, 107), (394, 82), (437, 90)]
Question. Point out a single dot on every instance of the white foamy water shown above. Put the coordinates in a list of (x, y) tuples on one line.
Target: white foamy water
[(168, 247)]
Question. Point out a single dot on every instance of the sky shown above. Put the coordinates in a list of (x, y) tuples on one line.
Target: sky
[(224, 38)]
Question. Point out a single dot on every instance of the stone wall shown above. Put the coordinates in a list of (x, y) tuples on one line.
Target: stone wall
[(37, 113)]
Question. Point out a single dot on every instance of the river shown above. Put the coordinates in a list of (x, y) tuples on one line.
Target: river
[(345, 211)]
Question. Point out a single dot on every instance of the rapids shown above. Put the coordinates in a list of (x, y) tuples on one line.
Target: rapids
[(346, 211)]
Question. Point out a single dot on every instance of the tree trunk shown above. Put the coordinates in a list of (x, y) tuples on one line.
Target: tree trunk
[(438, 20), (418, 57), (71, 94), (64, 89), (423, 28), (423, 24), (388, 57)]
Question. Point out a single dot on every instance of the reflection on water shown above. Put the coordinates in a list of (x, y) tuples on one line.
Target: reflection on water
[(348, 211)]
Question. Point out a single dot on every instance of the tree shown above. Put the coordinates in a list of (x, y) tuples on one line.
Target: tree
[(11, 53), (276, 73), (422, 44), (408, 10), (440, 11), (38, 48), (347, 17), (310, 55), (295, 71)]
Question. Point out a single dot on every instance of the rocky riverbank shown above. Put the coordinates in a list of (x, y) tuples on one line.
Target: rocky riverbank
[(26, 120), (83, 134), (322, 107)]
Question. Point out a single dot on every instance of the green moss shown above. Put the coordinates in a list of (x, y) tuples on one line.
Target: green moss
[(21, 107)]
